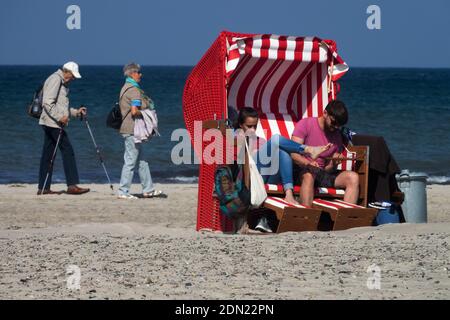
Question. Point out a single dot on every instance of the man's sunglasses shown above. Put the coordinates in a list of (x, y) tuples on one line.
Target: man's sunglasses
[(334, 123)]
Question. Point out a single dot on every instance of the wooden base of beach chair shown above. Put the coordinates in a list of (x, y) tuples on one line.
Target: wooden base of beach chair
[(346, 215), (293, 217)]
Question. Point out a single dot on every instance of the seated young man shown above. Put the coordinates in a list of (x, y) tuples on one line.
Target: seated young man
[(321, 172)]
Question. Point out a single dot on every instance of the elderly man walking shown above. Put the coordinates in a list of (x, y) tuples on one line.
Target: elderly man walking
[(132, 101), (54, 118)]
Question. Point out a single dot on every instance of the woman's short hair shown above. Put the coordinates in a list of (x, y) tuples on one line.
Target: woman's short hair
[(131, 67)]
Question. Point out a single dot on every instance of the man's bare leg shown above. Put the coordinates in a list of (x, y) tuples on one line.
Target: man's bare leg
[(290, 197), (314, 152), (307, 190), (348, 180)]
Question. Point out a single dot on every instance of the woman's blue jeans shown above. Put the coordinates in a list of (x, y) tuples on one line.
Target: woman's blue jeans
[(274, 161), (133, 159)]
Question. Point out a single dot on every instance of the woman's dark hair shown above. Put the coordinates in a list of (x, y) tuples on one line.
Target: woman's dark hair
[(245, 113), (338, 111)]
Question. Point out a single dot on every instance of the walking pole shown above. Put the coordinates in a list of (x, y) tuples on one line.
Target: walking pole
[(98, 150), (52, 160)]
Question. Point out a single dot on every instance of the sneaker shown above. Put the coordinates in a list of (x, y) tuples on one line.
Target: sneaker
[(126, 196), (263, 225), (154, 194)]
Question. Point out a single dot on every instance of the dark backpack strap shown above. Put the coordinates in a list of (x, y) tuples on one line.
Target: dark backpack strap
[(56, 101), (59, 89), (120, 98), (57, 94)]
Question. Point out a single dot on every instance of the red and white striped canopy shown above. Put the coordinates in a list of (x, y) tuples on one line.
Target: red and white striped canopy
[(282, 75)]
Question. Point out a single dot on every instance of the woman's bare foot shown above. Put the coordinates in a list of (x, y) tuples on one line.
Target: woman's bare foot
[(314, 152), (290, 197)]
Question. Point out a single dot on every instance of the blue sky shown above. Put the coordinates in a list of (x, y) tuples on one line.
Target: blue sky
[(176, 32)]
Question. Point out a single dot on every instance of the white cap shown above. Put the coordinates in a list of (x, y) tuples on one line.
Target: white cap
[(72, 67)]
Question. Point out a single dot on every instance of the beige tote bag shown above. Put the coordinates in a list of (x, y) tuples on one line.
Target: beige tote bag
[(258, 192)]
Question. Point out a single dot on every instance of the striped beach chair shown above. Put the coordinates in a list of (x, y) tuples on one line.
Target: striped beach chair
[(346, 215), (293, 217), (285, 78)]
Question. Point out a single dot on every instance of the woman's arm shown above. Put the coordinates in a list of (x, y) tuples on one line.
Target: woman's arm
[(136, 104), (135, 112)]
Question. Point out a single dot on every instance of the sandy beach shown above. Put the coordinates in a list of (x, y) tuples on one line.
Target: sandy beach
[(149, 249)]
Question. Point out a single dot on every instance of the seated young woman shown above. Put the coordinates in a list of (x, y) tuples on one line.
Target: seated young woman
[(274, 168)]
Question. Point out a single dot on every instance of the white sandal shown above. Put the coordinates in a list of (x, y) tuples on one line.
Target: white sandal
[(153, 194), (126, 197)]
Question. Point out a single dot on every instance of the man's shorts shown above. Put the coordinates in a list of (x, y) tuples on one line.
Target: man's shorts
[(322, 178)]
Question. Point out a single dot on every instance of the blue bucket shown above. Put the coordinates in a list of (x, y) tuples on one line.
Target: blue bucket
[(388, 213)]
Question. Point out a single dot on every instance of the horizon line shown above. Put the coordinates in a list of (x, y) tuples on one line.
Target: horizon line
[(191, 66)]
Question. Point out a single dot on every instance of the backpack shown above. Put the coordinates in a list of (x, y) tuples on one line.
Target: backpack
[(36, 105), (114, 119), (234, 197)]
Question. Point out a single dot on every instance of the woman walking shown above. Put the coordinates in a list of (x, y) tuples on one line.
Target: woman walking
[(133, 101)]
